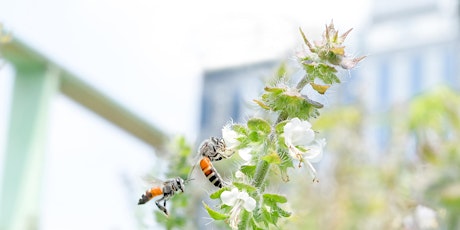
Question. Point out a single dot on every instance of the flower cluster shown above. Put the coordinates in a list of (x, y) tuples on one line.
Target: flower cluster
[(266, 145)]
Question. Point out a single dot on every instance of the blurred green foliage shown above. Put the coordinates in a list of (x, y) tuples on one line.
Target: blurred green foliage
[(179, 205), (364, 186)]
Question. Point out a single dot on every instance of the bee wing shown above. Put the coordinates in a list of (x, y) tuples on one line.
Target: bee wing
[(195, 162), (150, 181)]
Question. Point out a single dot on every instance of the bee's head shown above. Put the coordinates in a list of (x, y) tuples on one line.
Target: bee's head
[(180, 183)]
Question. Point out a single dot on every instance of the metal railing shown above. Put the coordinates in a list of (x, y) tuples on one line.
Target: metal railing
[(37, 80)]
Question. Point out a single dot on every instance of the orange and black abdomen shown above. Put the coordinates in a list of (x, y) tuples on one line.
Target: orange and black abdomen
[(210, 172), (149, 194)]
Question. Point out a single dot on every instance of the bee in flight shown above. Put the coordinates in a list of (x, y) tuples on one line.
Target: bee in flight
[(167, 189), (212, 149)]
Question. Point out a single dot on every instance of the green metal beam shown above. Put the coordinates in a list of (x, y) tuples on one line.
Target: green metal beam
[(34, 88), (95, 101), (36, 82)]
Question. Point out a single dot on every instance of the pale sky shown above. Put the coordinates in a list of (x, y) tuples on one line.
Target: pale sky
[(149, 56)]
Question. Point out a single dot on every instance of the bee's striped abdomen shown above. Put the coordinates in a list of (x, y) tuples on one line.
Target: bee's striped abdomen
[(149, 194), (210, 172)]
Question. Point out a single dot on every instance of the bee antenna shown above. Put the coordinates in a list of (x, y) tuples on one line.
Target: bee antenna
[(188, 180)]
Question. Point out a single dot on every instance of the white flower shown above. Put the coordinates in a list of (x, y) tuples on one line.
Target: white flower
[(422, 218), (231, 198), (230, 137), (245, 154), (297, 132), (237, 200), (300, 140), (239, 174)]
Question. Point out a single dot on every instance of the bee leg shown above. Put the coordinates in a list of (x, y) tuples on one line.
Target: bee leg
[(162, 207)]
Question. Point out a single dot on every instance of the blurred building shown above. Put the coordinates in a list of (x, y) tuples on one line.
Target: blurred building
[(411, 46), (227, 93)]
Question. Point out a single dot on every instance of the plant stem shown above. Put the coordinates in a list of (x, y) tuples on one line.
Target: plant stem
[(244, 221), (263, 166), (261, 173), (303, 82)]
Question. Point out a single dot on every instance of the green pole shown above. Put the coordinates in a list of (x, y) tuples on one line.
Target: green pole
[(34, 87)]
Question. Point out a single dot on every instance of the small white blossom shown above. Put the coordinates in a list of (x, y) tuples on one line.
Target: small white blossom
[(422, 218), (230, 137), (245, 154), (300, 140), (297, 132), (239, 174), (237, 200), (232, 197)]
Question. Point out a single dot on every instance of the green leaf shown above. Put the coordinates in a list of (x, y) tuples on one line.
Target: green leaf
[(240, 129), (248, 170), (217, 194), (274, 198), (242, 186), (322, 71), (282, 212), (286, 160), (275, 90), (214, 214), (258, 124), (272, 158), (254, 136), (279, 128), (267, 217), (254, 225)]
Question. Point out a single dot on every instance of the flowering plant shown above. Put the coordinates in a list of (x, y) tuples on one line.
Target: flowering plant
[(275, 145)]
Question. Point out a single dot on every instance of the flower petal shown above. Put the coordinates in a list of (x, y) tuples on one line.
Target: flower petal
[(230, 137), (245, 154), (315, 151), (297, 132), (249, 204), (229, 197), (239, 174)]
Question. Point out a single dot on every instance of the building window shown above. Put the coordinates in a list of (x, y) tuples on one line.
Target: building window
[(416, 77), (449, 67), (384, 84)]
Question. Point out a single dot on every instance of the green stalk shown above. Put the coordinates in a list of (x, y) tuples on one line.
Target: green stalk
[(303, 82), (261, 173), (263, 166), (243, 225)]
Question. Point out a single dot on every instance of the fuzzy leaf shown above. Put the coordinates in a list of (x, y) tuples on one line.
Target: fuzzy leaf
[(275, 90), (259, 125), (261, 104), (267, 217), (282, 212), (322, 71), (272, 158), (240, 129), (248, 170), (320, 88), (245, 187), (279, 128), (254, 225), (215, 214), (270, 198), (254, 136), (217, 193), (340, 50)]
